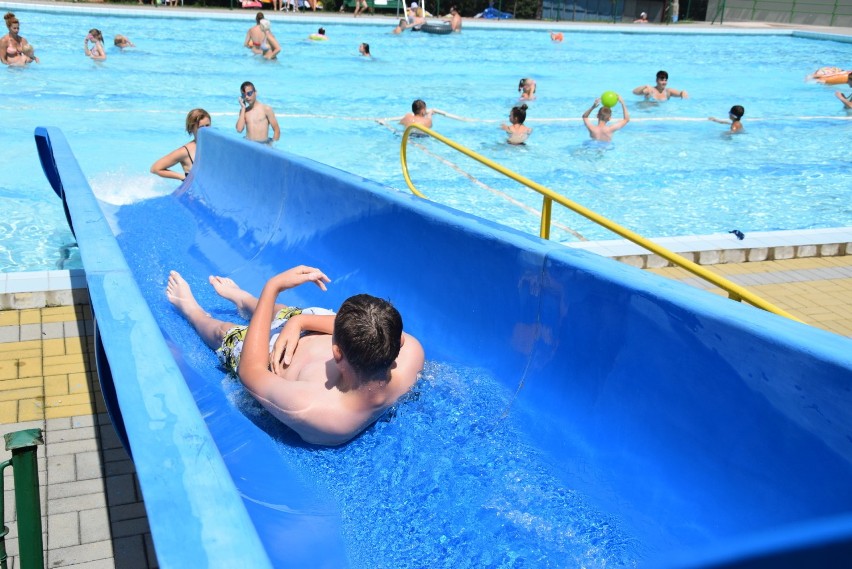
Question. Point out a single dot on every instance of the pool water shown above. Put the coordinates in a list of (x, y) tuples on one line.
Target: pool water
[(670, 172)]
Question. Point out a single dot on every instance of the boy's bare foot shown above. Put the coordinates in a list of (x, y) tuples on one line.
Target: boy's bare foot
[(180, 295), (229, 290)]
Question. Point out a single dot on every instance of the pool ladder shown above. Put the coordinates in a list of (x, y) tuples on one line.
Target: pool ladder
[(734, 291)]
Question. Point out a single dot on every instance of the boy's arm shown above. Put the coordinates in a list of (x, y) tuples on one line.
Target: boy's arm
[(846, 102), (676, 93), (273, 122), (588, 122), (720, 121), (241, 119), (640, 90), (254, 360), (625, 120)]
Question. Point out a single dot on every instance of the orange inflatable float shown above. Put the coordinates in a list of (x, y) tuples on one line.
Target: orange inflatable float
[(830, 75)]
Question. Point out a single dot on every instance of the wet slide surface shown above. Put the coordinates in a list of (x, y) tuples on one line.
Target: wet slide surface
[(573, 411)]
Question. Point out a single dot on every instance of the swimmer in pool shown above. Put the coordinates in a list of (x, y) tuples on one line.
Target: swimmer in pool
[(255, 117), (736, 115), (661, 91), (526, 87), (420, 114), (255, 36), (364, 49), (96, 51), (327, 376), (847, 101), (556, 36), (196, 119), (121, 41), (455, 19), (14, 48), (401, 26), (603, 131), (518, 133)]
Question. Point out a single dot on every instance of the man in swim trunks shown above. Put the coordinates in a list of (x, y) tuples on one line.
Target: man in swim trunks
[(419, 114), (328, 376), (847, 101), (255, 117), (603, 131), (661, 91)]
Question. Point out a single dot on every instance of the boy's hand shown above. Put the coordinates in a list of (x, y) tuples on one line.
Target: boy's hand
[(300, 275), (285, 345)]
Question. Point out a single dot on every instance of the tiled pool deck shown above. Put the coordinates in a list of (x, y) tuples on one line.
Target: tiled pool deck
[(92, 506)]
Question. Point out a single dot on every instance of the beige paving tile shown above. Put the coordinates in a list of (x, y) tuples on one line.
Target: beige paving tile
[(8, 412), (9, 318), (53, 347)]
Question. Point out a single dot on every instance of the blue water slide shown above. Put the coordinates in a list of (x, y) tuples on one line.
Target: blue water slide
[(711, 433)]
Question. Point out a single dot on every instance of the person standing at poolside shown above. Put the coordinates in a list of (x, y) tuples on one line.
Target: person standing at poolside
[(255, 117), (14, 48), (96, 51), (847, 101), (661, 91), (603, 131), (196, 119), (736, 115), (328, 376), (360, 7)]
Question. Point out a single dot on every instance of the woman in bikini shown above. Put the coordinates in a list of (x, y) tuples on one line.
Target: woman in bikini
[(184, 155), (14, 48), (255, 36), (96, 51)]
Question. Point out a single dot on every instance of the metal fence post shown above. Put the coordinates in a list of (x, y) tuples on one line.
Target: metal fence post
[(27, 499)]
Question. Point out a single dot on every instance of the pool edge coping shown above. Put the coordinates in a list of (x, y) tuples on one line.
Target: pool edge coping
[(38, 289)]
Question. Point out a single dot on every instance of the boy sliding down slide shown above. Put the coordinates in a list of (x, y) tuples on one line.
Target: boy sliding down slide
[(328, 376)]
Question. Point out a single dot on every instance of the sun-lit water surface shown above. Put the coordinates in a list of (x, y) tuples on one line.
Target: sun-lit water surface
[(669, 172)]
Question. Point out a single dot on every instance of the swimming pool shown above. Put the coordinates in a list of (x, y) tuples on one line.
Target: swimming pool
[(670, 172)]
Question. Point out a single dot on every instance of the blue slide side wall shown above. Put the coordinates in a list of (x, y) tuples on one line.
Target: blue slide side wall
[(697, 420)]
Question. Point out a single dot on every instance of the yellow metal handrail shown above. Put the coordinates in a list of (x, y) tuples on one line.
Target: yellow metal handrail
[(734, 291)]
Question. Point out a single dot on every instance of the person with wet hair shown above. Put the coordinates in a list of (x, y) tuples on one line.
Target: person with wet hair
[(518, 132)]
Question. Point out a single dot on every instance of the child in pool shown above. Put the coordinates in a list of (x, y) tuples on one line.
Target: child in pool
[(518, 133), (736, 115), (847, 101), (97, 49)]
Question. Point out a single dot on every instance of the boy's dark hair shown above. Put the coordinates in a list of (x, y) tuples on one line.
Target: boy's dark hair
[(246, 84), (662, 74), (368, 330), (520, 113), (418, 105), (738, 111)]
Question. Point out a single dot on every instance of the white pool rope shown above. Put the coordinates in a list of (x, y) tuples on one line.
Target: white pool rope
[(483, 185), (472, 120)]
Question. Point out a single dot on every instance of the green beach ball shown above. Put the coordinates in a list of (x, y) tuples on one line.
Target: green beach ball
[(609, 98)]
